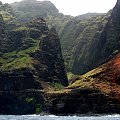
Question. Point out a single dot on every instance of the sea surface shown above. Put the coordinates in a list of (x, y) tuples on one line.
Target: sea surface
[(52, 117)]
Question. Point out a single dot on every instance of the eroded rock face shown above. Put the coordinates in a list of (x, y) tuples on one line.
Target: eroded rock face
[(16, 80), (51, 64)]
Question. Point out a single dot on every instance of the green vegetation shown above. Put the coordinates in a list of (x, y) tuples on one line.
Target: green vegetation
[(58, 86), (30, 100), (6, 16), (38, 108), (84, 82), (7, 13), (25, 28), (17, 59), (70, 75), (94, 72), (22, 28)]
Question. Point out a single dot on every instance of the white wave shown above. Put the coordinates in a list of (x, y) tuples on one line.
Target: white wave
[(114, 115), (52, 116), (74, 116)]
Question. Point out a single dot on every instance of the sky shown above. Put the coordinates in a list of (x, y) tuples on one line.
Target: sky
[(78, 7)]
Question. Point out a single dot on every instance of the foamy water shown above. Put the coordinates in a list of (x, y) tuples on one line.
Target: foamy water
[(52, 117)]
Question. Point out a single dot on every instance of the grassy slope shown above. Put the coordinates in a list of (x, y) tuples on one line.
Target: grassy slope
[(17, 59)]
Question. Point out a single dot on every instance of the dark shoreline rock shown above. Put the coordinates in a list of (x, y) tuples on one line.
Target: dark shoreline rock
[(80, 102), (21, 102)]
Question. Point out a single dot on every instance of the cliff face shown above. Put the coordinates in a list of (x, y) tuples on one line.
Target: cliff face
[(95, 43), (31, 62), (109, 39), (79, 39), (44, 58)]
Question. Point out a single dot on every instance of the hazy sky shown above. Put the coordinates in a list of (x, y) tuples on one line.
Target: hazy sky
[(77, 7)]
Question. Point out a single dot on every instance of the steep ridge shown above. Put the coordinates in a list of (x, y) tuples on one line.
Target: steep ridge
[(96, 92), (109, 40), (77, 37)]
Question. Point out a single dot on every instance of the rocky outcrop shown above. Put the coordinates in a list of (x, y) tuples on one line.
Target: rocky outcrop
[(51, 65)]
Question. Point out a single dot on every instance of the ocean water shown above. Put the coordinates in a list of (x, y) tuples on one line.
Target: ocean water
[(51, 117)]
